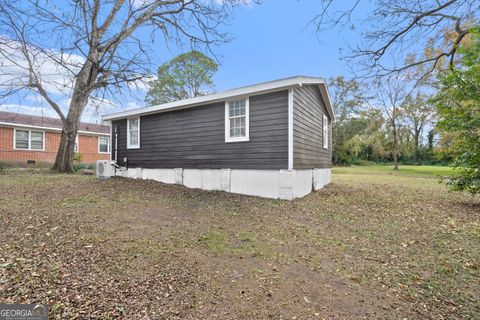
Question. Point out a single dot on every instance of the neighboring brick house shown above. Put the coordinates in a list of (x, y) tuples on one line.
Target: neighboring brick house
[(25, 138)]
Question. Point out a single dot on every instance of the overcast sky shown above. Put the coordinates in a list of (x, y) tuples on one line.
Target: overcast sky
[(270, 41)]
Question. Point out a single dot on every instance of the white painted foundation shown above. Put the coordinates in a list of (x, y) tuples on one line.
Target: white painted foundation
[(275, 184)]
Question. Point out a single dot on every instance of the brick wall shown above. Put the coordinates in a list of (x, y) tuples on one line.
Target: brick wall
[(88, 148)]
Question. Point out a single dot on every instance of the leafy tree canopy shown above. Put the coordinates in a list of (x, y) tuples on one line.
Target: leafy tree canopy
[(458, 104), (186, 76)]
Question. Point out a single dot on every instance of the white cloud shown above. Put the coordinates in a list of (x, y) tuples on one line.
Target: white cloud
[(57, 79), (133, 105), (94, 109), (55, 70), (142, 84), (97, 108), (92, 112)]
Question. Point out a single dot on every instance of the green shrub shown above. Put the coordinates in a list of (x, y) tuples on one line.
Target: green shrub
[(84, 166), (360, 162), (77, 158)]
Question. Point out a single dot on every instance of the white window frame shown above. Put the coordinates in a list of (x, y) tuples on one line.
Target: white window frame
[(129, 145), (77, 144), (109, 145), (29, 140), (325, 132), (110, 137), (247, 121)]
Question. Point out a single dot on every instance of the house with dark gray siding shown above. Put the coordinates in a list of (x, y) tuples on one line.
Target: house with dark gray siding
[(270, 139)]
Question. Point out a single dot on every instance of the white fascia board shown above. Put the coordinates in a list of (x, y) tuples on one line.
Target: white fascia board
[(290, 129), (326, 98), (255, 89), (27, 126)]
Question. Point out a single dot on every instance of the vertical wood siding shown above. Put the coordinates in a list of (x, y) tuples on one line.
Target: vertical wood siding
[(308, 111), (195, 138)]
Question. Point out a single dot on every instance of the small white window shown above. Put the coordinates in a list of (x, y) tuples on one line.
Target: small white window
[(325, 132), (133, 134), (237, 120), (29, 140), (77, 145), (103, 144)]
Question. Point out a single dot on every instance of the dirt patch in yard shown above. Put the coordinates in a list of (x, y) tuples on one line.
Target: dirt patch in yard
[(365, 247), (264, 290)]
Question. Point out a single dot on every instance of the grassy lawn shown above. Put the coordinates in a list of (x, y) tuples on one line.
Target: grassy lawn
[(420, 171), (371, 245)]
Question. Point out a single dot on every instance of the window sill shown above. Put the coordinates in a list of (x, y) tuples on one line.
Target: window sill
[(37, 150), (243, 139)]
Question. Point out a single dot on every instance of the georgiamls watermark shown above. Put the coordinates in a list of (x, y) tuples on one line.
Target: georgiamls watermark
[(23, 312)]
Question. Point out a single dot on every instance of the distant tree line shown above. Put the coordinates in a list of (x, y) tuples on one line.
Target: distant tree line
[(385, 124), (419, 63)]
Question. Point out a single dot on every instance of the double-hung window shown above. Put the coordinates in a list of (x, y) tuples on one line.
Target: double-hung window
[(237, 120), (133, 133), (325, 132), (29, 140), (103, 144)]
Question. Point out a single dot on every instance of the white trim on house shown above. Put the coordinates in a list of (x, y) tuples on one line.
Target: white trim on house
[(326, 99), (260, 88), (228, 138), (129, 144), (29, 148), (325, 132), (290, 129), (19, 125), (110, 137), (109, 145)]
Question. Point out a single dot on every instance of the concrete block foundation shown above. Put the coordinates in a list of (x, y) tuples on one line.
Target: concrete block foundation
[(274, 184)]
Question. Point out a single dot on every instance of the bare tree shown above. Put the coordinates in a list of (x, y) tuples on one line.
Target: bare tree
[(395, 28), (92, 50), (391, 98), (418, 112)]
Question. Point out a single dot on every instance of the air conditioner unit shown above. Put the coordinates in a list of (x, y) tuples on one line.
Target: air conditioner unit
[(104, 169)]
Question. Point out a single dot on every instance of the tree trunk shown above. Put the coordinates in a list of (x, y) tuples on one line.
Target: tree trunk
[(416, 136), (416, 154), (81, 93), (395, 146), (66, 149), (64, 159), (395, 160)]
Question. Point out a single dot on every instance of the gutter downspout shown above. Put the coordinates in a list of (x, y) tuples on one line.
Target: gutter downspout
[(115, 165), (290, 129)]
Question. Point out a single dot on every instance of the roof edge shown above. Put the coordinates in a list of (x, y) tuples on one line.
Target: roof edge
[(324, 92), (46, 128), (259, 88)]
